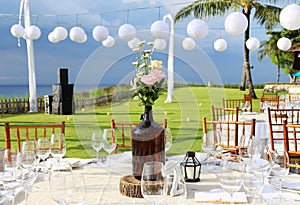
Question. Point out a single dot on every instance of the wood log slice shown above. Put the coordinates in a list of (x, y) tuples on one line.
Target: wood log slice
[(130, 186)]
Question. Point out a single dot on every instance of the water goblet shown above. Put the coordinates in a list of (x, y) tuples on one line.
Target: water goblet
[(153, 182), (168, 134), (97, 143), (207, 144), (280, 167), (43, 151), (58, 146), (231, 179)]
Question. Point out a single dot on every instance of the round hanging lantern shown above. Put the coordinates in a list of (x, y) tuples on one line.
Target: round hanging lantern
[(76, 34), (197, 29), (160, 44), (51, 38), (127, 32), (17, 30), (83, 39), (109, 42), (284, 43), (100, 33), (33, 32), (252, 43), (134, 43), (188, 44), (160, 29), (236, 23), (289, 17), (60, 33), (220, 45)]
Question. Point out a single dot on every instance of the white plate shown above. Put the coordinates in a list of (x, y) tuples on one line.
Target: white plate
[(290, 182)]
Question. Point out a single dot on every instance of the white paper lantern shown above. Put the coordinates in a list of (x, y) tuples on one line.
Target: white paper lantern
[(83, 39), (134, 43), (127, 32), (100, 33), (284, 43), (160, 29), (188, 44), (76, 34), (109, 42), (160, 44), (51, 38), (252, 43), (33, 32), (236, 23), (60, 33), (197, 29), (290, 17), (17, 30), (220, 45)]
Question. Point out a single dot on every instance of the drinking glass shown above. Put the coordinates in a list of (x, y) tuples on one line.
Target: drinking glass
[(60, 182), (43, 150), (207, 143), (77, 193), (262, 106), (168, 134), (153, 182), (29, 162), (109, 141), (58, 146), (97, 143), (231, 178), (281, 167), (12, 173), (247, 106)]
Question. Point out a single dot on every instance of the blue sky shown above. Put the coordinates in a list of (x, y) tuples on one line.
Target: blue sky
[(49, 57)]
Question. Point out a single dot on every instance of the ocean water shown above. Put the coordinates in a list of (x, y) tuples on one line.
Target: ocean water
[(21, 91)]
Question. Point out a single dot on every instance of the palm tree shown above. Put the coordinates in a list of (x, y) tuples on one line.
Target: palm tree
[(266, 13)]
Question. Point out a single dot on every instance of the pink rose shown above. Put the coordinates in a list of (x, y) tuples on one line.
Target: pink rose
[(158, 73), (149, 79)]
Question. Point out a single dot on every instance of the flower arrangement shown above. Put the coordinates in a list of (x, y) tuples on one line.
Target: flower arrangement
[(149, 78)]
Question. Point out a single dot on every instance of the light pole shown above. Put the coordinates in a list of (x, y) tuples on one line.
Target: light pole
[(170, 60)]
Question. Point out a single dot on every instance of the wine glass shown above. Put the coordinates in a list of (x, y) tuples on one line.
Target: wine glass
[(217, 145), (58, 146), (153, 182), (29, 161), (168, 135), (231, 178), (12, 173), (109, 141), (97, 143), (60, 181), (247, 106), (43, 150), (262, 106), (280, 167), (207, 143)]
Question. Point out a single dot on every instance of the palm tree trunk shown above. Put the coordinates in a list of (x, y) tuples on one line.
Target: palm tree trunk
[(243, 80), (246, 65)]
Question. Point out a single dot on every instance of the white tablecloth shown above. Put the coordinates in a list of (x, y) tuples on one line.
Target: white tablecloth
[(102, 184)]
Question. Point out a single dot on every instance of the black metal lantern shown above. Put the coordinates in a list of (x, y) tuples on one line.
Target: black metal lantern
[(190, 168)]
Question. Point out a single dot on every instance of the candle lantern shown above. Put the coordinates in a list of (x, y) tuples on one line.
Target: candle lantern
[(191, 168)]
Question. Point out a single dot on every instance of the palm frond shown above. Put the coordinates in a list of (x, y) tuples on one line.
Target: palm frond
[(267, 15), (204, 9)]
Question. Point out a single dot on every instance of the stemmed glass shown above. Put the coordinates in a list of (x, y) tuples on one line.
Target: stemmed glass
[(29, 161), (58, 146), (97, 143), (168, 134), (109, 141), (153, 182), (12, 173), (231, 178), (43, 150), (262, 106), (207, 143), (281, 167), (247, 106)]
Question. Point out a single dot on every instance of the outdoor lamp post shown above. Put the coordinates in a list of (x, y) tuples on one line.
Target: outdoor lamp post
[(191, 168)]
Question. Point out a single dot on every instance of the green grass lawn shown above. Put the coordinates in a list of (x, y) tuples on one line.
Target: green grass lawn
[(184, 118)]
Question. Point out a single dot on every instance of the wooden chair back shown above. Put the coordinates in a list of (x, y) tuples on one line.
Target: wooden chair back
[(232, 130), (225, 114), (270, 100), (276, 118), (291, 135), (30, 132), (248, 97), (233, 103), (125, 131)]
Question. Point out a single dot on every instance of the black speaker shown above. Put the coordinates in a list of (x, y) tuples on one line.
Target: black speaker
[(62, 76), (62, 93)]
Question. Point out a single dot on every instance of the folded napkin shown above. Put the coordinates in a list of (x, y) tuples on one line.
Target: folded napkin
[(220, 196)]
